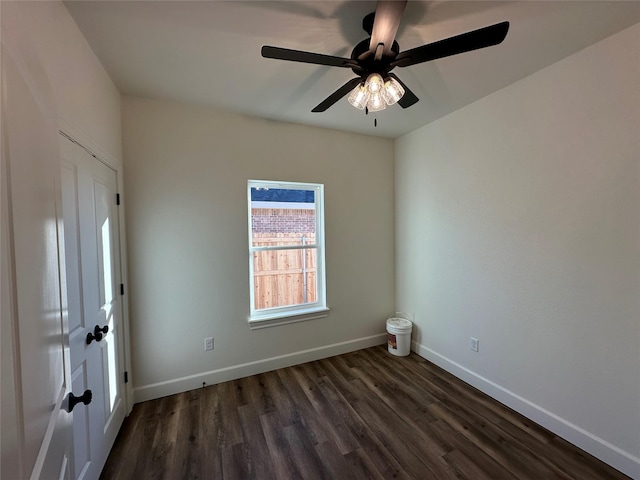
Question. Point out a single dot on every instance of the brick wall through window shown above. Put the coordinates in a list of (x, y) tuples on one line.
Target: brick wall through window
[(283, 220)]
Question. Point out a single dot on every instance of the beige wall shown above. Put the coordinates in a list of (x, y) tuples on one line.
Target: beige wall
[(87, 102), (517, 222), (187, 169)]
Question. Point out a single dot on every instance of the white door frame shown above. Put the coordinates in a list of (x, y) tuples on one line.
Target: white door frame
[(75, 136)]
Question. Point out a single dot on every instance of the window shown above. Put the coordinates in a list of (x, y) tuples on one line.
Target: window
[(286, 250)]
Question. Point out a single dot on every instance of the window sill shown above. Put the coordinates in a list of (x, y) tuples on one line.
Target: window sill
[(275, 319)]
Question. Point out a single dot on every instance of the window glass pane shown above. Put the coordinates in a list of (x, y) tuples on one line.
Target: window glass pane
[(284, 277), (282, 216)]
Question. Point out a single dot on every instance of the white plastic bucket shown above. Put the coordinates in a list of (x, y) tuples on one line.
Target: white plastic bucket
[(399, 336)]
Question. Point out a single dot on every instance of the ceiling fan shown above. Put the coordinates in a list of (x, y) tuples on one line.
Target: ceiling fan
[(372, 60)]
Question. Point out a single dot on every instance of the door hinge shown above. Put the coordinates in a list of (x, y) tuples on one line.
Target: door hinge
[(117, 199), (122, 289), (126, 377)]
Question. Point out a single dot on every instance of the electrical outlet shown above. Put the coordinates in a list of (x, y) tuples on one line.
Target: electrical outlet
[(473, 344), (208, 344)]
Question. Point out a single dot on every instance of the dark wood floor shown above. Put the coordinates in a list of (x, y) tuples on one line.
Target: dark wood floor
[(363, 415)]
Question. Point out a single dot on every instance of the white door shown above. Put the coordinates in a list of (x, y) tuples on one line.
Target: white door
[(95, 307), (35, 426)]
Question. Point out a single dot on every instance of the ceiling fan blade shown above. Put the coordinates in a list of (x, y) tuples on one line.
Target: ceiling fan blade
[(466, 42), (409, 98), (385, 25), (307, 57), (337, 95)]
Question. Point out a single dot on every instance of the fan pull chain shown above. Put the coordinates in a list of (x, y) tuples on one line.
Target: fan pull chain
[(375, 119)]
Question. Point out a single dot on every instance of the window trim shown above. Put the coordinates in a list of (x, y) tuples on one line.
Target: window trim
[(291, 313)]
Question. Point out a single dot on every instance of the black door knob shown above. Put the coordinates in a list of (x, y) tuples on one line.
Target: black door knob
[(84, 398), (97, 333), (98, 330)]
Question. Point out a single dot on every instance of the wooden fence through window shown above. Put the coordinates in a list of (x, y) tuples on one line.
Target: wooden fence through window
[(284, 277)]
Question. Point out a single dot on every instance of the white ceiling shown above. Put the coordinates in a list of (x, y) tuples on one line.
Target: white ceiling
[(208, 52)]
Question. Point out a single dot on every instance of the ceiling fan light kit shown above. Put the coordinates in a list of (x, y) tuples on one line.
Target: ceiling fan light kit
[(373, 59), (376, 94)]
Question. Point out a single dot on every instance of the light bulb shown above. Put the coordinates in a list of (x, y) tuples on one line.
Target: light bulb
[(359, 96), (374, 83), (392, 91), (376, 102)]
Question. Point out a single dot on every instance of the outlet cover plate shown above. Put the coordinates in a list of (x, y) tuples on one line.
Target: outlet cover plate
[(208, 344), (474, 343)]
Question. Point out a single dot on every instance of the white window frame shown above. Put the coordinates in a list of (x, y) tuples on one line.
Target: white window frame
[(293, 313)]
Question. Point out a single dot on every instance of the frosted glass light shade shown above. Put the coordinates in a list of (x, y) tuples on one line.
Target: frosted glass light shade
[(359, 96), (376, 102), (374, 83), (392, 91)]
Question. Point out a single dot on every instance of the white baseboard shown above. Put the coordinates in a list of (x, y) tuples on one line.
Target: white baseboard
[(183, 384), (599, 448)]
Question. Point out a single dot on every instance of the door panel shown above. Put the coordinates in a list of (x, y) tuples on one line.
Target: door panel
[(74, 290), (90, 216), (81, 433), (104, 196)]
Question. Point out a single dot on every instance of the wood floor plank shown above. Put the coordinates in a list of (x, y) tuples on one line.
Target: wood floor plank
[(362, 467), (370, 446), (590, 468), (131, 436), (234, 465), (230, 431), (162, 449), (472, 453), (256, 394), (257, 457), (303, 411), (185, 463), (466, 468), (407, 402), (283, 403), (408, 412), (334, 424), (279, 447), (304, 455), (387, 426), (334, 461), (209, 454), (362, 415), (137, 463), (396, 436)]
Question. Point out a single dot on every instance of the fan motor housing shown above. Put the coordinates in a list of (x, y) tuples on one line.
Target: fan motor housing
[(369, 64)]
